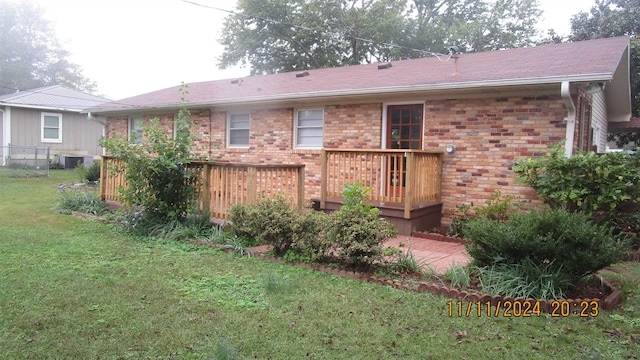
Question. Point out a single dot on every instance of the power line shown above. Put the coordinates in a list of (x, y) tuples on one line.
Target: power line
[(334, 34)]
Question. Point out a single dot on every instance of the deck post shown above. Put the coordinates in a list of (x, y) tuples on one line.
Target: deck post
[(205, 188), (103, 178), (408, 194), (301, 173), (439, 178), (252, 184), (323, 180)]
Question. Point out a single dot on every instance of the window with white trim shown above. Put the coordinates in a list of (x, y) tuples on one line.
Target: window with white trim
[(309, 128), (238, 130), (135, 129), (51, 128), (186, 129)]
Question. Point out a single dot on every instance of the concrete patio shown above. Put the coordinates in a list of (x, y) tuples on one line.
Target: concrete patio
[(434, 254)]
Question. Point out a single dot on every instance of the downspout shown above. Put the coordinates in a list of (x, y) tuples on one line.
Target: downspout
[(104, 125), (6, 130), (2, 145), (570, 120)]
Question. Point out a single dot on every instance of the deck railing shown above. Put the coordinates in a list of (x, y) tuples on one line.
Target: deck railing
[(223, 185), (394, 176)]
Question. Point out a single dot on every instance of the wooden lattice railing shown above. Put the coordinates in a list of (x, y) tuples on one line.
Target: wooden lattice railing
[(223, 185), (394, 176)]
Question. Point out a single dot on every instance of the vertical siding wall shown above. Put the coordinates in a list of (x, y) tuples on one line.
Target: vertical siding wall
[(79, 134), (490, 134), (599, 119)]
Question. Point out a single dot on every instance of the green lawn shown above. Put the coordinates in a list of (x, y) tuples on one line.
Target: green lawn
[(76, 288)]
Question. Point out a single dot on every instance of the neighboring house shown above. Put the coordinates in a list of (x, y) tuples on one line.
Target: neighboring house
[(486, 109), (51, 117)]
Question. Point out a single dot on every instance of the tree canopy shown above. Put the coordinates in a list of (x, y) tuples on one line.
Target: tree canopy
[(30, 55), (610, 18), (291, 35)]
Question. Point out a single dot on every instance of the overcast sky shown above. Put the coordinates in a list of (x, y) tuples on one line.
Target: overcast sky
[(130, 47)]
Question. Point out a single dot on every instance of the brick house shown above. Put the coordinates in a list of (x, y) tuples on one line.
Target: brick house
[(487, 110)]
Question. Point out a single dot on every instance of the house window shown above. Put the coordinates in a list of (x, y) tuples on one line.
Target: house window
[(309, 128), (585, 139), (51, 128), (186, 129), (238, 130), (135, 129)]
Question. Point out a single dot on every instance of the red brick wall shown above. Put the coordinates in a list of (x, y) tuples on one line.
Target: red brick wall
[(271, 136), (117, 127), (490, 135)]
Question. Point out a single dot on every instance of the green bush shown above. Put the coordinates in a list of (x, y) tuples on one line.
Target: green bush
[(159, 178), (585, 182), (310, 238), (357, 230), (359, 234), (566, 240), (270, 221), (93, 172), (498, 207)]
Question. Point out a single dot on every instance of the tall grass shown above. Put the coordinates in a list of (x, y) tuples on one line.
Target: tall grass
[(80, 200)]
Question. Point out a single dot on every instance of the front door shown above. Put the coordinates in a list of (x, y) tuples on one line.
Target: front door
[(404, 131)]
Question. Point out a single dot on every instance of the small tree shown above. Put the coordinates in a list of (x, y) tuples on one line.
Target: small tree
[(159, 180)]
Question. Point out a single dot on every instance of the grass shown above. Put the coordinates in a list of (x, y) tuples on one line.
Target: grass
[(75, 288)]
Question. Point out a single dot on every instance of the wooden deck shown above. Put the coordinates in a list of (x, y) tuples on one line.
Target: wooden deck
[(424, 216)]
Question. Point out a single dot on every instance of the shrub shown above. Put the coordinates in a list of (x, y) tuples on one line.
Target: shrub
[(498, 207), (270, 221), (310, 238), (570, 241), (93, 172), (584, 182), (357, 230), (460, 218), (158, 176)]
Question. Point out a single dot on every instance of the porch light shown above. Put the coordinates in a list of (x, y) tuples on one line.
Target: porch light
[(450, 149)]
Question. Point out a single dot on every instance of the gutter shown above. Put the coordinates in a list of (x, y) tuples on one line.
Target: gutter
[(6, 130), (365, 92), (570, 119), (94, 119), (41, 107)]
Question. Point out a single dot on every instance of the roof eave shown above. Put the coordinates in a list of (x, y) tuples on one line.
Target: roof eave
[(41, 107), (370, 91)]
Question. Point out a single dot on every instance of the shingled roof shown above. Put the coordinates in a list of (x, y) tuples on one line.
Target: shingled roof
[(55, 97), (603, 60)]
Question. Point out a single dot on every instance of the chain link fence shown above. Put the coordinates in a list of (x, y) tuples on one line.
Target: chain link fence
[(24, 161)]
